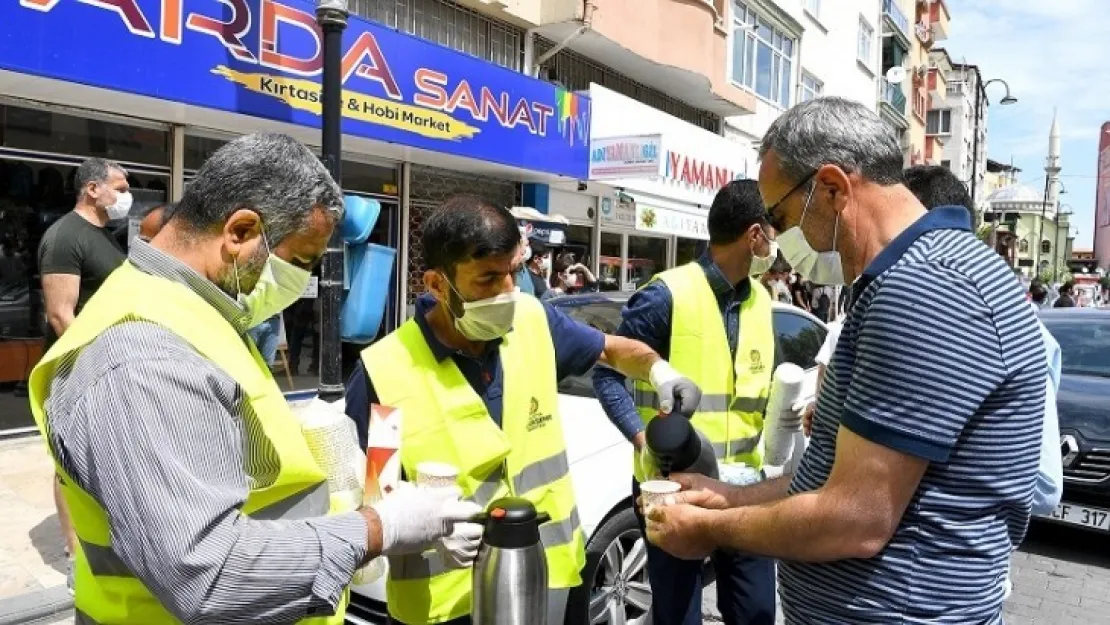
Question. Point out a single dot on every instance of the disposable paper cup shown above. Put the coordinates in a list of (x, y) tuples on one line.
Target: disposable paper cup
[(654, 492), (436, 474)]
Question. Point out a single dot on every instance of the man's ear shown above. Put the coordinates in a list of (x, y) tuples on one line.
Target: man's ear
[(242, 226), (834, 186)]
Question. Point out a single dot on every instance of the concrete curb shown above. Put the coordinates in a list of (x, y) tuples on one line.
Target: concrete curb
[(35, 606)]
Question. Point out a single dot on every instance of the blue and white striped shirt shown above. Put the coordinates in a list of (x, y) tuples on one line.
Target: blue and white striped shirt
[(940, 358)]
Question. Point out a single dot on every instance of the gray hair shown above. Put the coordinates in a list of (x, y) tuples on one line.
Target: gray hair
[(95, 170), (834, 131), (271, 174)]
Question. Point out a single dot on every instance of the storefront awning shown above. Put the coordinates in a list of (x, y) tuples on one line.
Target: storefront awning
[(661, 216)]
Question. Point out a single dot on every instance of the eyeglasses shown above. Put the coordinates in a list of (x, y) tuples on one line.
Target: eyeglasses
[(769, 215)]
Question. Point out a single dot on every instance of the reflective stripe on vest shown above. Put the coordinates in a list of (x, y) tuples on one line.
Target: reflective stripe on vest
[(107, 590), (446, 421), (734, 388)]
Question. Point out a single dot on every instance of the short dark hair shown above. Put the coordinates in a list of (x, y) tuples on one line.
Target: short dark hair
[(467, 227), (271, 174), (1038, 293), (735, 208), (94, 170), (937, 186)]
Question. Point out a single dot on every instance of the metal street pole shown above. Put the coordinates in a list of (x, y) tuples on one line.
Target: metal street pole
[(1040, 234), (331, 15), (980, 97)]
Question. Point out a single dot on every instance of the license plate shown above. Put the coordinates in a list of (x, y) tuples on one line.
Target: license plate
[(1094, 518)]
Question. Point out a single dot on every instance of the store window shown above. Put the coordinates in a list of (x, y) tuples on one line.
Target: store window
[(609, 263), (47, 132), (579, 240), (762, 56), (687, 250), (36, 189), (647, 256)]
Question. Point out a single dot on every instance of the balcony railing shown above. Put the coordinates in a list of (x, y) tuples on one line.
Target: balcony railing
[(892, 95), (891, 10)]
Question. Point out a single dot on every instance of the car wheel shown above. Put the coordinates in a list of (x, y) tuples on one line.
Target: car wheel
[(615, 588)]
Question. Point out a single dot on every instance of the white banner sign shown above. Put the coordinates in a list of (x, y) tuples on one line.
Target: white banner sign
[(617, 213), (614, 158), (666, 221)]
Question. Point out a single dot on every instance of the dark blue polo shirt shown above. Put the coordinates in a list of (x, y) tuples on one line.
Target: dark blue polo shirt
[(940, 358), (577, 348)]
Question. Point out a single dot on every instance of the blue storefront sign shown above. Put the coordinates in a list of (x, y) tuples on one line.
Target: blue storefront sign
[(263, 58)]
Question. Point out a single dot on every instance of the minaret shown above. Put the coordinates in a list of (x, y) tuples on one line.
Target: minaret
[(1052, 163)]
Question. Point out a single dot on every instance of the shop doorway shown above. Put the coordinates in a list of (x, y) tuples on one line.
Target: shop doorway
[(40, 151)]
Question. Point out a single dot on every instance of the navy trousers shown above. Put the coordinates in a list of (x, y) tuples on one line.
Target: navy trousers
[(745, 585)]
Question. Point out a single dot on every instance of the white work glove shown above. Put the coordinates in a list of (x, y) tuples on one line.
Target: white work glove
[(459, 549), (677, 393), (413, 519), (791, 420)]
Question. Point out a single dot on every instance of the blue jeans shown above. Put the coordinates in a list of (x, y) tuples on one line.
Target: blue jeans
[(265, 336), (745, 585)]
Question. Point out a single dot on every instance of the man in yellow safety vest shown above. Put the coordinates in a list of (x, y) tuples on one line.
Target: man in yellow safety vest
[(193, 493), (714, 323), (475, 373)]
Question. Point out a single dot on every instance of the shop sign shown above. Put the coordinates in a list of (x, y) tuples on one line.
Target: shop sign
[(618, 213), (698, 174), (614, 158), (666, 221), (264, 58), (546, 232)]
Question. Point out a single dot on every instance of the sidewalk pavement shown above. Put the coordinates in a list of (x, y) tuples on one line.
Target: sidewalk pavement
[(32, 552)]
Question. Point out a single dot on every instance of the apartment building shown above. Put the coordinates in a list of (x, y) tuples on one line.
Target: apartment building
[(907, 94), (789, 51), (954, 126)]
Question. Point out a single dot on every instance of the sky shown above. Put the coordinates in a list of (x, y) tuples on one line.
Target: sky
[(1053, 53)]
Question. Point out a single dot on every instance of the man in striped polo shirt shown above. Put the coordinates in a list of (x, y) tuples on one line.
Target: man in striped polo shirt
[(919, 477)]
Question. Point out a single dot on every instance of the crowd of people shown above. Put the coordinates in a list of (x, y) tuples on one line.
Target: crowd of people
[(193, 497)]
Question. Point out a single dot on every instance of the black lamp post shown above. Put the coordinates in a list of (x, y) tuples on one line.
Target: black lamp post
[(331, 15), (980, 97)]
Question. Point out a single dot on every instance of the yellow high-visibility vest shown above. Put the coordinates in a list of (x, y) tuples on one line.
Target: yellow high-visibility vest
[(444, 420), (734, 391), (107, 592)]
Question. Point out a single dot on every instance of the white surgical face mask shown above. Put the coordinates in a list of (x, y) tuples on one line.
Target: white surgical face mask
[(818, 267), (762, 264), (278, 287), (486, 319), (121, 207)]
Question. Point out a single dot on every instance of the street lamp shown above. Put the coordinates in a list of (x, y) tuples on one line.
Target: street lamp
[(331, 15), (980, 97)]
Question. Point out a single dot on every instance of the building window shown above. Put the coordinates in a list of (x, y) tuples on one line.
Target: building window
[(947, 165), (1023, 246), (1046, 247), (813, 7), (938, 122), (762, 56), (866, 36), (811, 88)]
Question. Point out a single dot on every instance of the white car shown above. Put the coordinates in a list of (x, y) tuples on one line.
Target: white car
[(616, 589)]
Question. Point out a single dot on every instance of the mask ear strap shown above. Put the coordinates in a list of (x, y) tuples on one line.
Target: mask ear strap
[(235, 267)]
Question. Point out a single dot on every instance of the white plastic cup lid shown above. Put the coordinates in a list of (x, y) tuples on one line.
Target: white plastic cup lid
[(660, 487)]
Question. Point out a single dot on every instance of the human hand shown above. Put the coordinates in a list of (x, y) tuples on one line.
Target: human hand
[(679, 529), (702, 491), (413, 519), (807, 418), (677, 393), (459, 549)]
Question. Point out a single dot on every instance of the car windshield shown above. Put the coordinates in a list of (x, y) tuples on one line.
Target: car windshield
[(1085, 344)]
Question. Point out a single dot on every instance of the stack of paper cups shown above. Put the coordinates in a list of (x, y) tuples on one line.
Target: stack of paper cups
[(781, 422)]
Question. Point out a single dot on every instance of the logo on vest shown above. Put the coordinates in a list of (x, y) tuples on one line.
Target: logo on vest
[(535, 419), (757, 365)]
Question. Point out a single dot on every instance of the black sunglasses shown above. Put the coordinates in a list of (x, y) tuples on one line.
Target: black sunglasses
[(769, 215)]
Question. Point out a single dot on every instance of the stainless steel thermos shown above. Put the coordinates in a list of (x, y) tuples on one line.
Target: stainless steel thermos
[(510, 575)]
